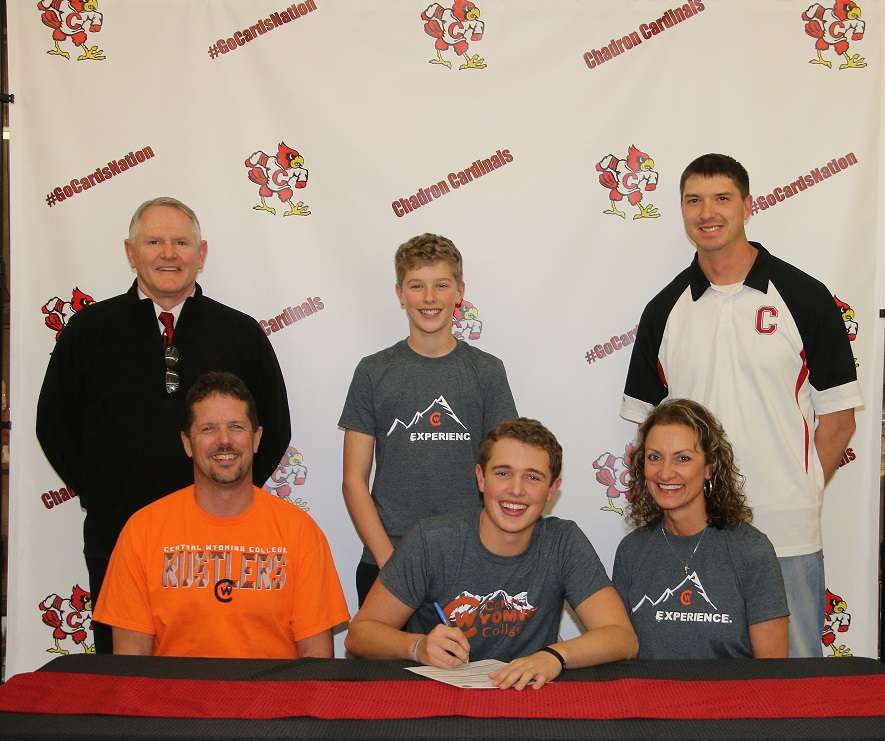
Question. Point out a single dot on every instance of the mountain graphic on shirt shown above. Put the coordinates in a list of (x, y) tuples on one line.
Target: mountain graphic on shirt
[(499, 600), (438, 404), (495, 607), (673, 593)]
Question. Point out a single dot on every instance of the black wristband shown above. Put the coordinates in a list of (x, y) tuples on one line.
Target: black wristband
[(554, 652)]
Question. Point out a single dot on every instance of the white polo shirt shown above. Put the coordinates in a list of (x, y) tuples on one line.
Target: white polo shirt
[(765, 357)]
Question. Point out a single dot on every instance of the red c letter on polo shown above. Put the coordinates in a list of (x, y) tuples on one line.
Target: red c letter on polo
[(764, 323)]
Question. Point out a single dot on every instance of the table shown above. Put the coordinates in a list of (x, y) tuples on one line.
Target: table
[(834, 699)]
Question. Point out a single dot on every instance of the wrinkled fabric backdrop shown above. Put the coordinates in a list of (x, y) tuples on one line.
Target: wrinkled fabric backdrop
[(504, 156)]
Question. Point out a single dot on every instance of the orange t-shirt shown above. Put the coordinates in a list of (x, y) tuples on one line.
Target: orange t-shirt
[(247, 586)]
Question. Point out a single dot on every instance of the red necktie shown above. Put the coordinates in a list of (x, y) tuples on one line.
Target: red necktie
[(168, 321)]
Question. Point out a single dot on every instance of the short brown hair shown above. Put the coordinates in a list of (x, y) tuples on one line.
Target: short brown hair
[(528, 431), (221, 383), (725, 500), (424, 250), (710, 165)]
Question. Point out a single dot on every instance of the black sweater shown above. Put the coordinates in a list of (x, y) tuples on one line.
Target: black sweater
[(107, 424)]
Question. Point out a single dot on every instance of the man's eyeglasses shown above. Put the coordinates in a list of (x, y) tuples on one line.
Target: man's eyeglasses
[(170, 355)]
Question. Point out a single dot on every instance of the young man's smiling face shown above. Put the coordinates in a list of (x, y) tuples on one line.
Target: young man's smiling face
[(516, 485), (714, 213), (429, 294)]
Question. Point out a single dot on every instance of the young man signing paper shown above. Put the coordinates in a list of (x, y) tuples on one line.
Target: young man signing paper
[(499, 577)]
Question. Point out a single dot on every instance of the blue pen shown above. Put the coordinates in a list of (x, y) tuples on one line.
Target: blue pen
[(442, 619), (440, 613)]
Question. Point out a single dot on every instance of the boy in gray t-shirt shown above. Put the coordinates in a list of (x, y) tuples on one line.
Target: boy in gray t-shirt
[(420, 407), (492, 584)]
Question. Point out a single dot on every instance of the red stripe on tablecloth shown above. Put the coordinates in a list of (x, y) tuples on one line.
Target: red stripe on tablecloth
[(65, 693)]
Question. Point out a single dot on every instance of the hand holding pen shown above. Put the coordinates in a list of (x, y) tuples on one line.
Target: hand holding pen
[(445, 647)]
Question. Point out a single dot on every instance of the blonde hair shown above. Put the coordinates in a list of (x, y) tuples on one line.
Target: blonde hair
[(424, 250)]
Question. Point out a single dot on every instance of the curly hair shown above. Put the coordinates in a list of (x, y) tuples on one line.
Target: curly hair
[(725, 500), (424, 250), (528, 431)]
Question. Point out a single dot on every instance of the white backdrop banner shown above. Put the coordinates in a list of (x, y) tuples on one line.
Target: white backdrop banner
[(497, 131)]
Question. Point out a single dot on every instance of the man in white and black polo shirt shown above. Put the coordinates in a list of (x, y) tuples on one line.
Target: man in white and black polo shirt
[(763, 346)]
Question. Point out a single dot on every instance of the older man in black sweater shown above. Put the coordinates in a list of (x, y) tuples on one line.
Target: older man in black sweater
[(112, 399)]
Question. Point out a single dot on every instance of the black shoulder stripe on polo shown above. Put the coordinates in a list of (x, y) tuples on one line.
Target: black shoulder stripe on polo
[(827, 348), (644, 380)]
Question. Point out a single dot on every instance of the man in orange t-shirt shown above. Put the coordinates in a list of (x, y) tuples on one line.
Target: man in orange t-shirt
[(222, 568)]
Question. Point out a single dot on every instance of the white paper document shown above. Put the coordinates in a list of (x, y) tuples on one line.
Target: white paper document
[(473, 675)]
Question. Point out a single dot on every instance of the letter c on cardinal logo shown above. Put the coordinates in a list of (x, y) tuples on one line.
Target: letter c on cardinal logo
[(435, 419), (764, 323), (685, 597)]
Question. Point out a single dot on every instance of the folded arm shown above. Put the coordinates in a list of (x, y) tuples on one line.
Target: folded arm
[(318, 646), (609, 637), (769, 639), (132, 642), (376, 633)]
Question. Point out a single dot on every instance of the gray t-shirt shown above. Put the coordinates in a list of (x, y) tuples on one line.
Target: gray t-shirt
[(428, 417), (507, 606), (734, 581)]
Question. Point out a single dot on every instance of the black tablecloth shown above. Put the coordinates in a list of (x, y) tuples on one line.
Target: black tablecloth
[(61, 727)]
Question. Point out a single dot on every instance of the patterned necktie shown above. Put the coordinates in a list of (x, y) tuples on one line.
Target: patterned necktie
[(168, 321)]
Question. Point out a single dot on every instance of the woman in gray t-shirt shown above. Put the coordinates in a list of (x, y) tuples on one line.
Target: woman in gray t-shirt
[(697, 579)]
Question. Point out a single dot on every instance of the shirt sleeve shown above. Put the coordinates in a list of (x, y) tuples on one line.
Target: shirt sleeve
[(831, 370), (761, 578), (583, 572), (645, 387), (269, 390), (406, 574), (498, 404), (359, 410), (318, 602), (59, 408), (827, 349), (621, 575), (123, 601)]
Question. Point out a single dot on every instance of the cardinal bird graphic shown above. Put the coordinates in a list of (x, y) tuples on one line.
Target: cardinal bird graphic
[(466, 324), (74, 20), (454, 28), (629, 178), (837, 619), (56, 312), (614, 474), (289, 473), (847, 314), (280, 175), (835, 27), (69, 617)]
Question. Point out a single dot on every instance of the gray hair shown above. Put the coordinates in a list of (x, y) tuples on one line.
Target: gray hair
[(164, 201)]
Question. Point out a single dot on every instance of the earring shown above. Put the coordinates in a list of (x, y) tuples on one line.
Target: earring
[(708, 488)]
